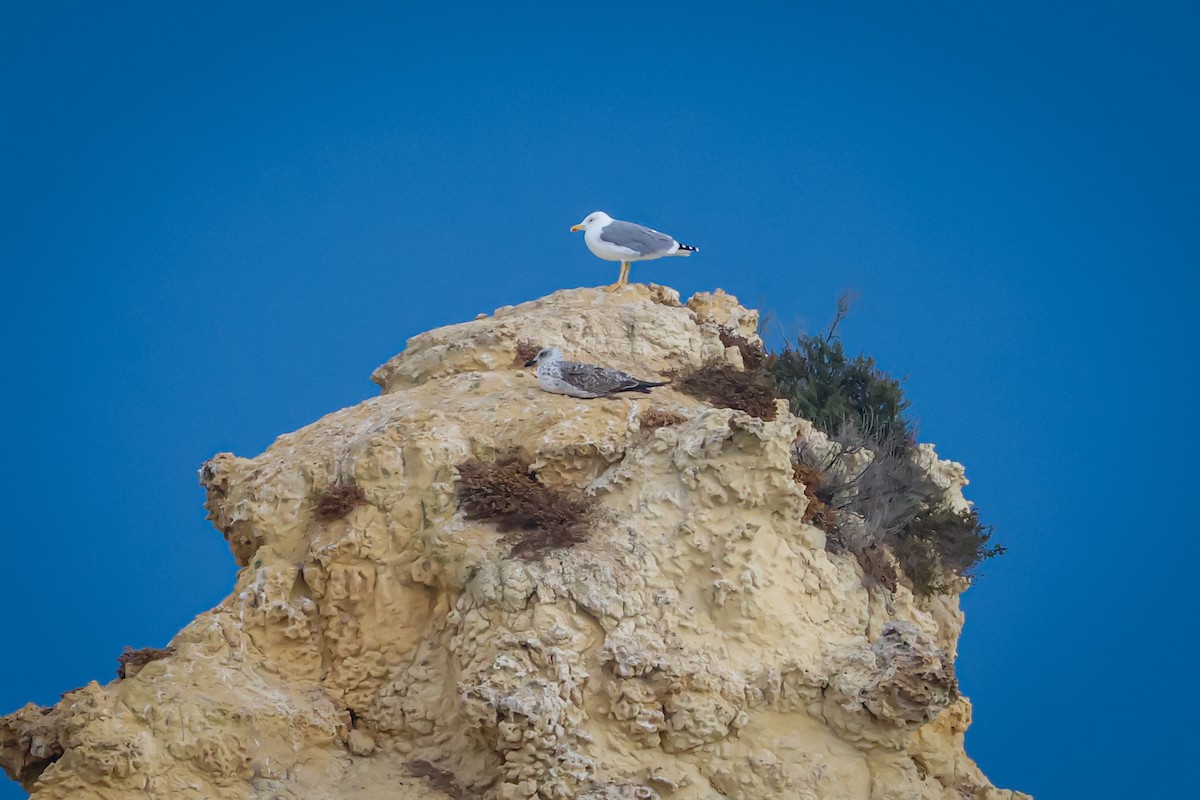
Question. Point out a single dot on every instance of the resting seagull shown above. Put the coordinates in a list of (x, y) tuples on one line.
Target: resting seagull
[(582, 380), (616, 240)]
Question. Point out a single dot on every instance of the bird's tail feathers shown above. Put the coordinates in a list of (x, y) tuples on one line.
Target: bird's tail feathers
[(645, 386), (686, 250)]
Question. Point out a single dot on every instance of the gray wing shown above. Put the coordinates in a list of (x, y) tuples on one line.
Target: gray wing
[(596, 380), (636, 237)]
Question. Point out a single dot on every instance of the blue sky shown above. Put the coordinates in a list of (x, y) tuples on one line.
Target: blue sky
[(217, 220)]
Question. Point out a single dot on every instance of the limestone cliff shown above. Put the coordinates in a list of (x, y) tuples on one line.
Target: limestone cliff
[(700, 643)]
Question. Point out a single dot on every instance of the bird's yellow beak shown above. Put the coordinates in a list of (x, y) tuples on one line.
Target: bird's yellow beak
[(578, 227)]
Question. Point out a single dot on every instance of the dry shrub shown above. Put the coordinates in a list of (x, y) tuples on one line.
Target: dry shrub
[(889, 513), (660, 418), (506, 493), (728, 387), (940, 546), (878, 567), (130, 661), (526, 350), (754, 356), (338, 500), (818, 511)]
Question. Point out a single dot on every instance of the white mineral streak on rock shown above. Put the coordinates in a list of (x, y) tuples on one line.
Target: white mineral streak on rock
[(701, 644)]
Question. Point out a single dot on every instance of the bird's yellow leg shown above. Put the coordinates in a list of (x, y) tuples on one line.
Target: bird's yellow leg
[(621, 279)]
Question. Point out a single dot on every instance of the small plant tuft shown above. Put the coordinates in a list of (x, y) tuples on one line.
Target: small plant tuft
[(338, 500), (653, 418), (818, 511), (526, 350), (728, 387), (508, 494), (754, 355), (131, 661)]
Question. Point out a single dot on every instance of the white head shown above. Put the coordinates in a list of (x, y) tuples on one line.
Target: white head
[(544, 355), (591, 220)]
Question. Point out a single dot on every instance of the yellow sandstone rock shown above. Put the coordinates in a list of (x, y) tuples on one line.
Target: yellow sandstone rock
[(701, 643)]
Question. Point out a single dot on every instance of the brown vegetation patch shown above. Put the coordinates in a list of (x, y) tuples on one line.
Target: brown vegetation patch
[(754, 356), (727, 387), (818, 512), (653, 418), (338, 500), (131, 661), (506, 493), (526, 350)]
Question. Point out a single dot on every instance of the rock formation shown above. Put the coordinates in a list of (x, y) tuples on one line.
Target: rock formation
[(699, 643)]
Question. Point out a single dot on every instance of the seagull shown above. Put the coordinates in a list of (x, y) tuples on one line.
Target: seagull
[(616, 240), (582, 380)]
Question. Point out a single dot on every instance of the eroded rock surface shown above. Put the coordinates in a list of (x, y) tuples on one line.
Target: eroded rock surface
[(701, 643)]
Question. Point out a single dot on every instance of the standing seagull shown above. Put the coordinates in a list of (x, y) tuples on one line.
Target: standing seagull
[(582, 380), (616, 240)]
